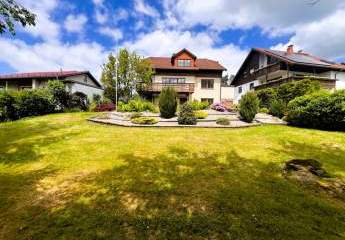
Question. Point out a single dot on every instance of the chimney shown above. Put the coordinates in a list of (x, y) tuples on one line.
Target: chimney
[(289, 49)]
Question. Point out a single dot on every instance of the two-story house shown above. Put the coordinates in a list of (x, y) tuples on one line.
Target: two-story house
[(193, 78), (268, 68)]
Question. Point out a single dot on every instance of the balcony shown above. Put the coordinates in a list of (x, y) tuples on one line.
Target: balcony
[(179, 87)]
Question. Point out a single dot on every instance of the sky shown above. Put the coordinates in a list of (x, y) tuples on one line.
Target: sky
[(80, 34)]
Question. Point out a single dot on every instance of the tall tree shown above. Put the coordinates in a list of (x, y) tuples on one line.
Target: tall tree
[(12, 12), (132, 72)]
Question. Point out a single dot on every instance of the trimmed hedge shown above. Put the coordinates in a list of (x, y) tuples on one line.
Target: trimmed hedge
[(200, 114), (321, 110), (196, 105), (144, 120), (168, 102), (266, 96), (249, 106), (137, 105), (223, 121), (34, 103)]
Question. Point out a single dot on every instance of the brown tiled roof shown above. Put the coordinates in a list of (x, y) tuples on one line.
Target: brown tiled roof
[(52, 75), (200, 64)]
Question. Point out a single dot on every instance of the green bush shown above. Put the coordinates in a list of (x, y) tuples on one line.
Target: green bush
[(277, 108), (249, 106), (144, 120), (321, 110), (266, 96), (264, 110), (96, 98), (35, 102), (137, 105), (136, 115), (79, 100), (186, 115), (196, 105), (289, 91), (168, 102), (8, 106), (60, 96), (200, 114), (223, 121)]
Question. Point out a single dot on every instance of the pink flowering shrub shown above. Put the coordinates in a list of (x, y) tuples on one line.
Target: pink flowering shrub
[(218, 107)]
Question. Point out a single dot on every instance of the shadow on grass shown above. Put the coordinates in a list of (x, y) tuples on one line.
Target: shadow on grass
[(183, 195), (332, 156), (21, 141)]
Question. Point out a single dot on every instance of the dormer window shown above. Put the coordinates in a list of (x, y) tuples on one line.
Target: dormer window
[(184, 62)]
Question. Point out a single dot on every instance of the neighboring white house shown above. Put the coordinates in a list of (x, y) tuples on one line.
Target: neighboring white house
[(193, 78), (75, 81), (269, 68)]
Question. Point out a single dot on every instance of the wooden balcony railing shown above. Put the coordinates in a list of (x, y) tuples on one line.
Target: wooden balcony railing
[(179, 87)]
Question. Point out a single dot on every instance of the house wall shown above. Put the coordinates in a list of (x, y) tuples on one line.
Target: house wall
[(199, 93), (89, 91), (245, 89), (227, 93), (84, 79)]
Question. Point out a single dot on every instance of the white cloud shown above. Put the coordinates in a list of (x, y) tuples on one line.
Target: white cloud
[(120, 14), (98, 2), (324, 38), (45, 27), (141, 7), (75, 23), (114, 33), (165, 43), (52, 56)]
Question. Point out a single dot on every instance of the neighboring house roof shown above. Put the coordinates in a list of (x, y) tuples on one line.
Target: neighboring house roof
[(52, 75), (298, 58), (200, 64), (302, 58)]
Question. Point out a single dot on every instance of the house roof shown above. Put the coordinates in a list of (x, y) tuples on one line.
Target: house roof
[(298, 58), (200, 64), (45, 75), (302, 58)]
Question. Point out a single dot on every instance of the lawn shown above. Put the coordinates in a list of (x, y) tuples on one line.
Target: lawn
[(62, 177)]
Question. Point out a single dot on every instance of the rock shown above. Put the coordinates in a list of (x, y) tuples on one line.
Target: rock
[(311, 165), (310, 172)]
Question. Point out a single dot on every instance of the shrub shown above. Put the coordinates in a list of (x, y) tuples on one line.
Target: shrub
[(35, 102), (79, 100), (61, 97), (200, 114), (223, 121), (229, 105), (136, 115), (218, 107), (8, 109), (288, 91), (105, 107), (137, 105), (249, 105), (266, 96), (167, 102), (277, 108), (96, 98), (264, 110), (320, 110), (196, 105), (186, 115), (144, 120)]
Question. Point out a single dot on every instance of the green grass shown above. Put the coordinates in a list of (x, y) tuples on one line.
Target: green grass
[(62, 177)]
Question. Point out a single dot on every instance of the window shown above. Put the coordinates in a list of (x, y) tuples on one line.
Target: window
[(173, 80), (183, 63), (251, 86), (207, 83), (239, 89), (209, 100)]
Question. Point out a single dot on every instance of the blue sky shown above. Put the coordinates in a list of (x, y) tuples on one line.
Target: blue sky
[(79, 34)]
